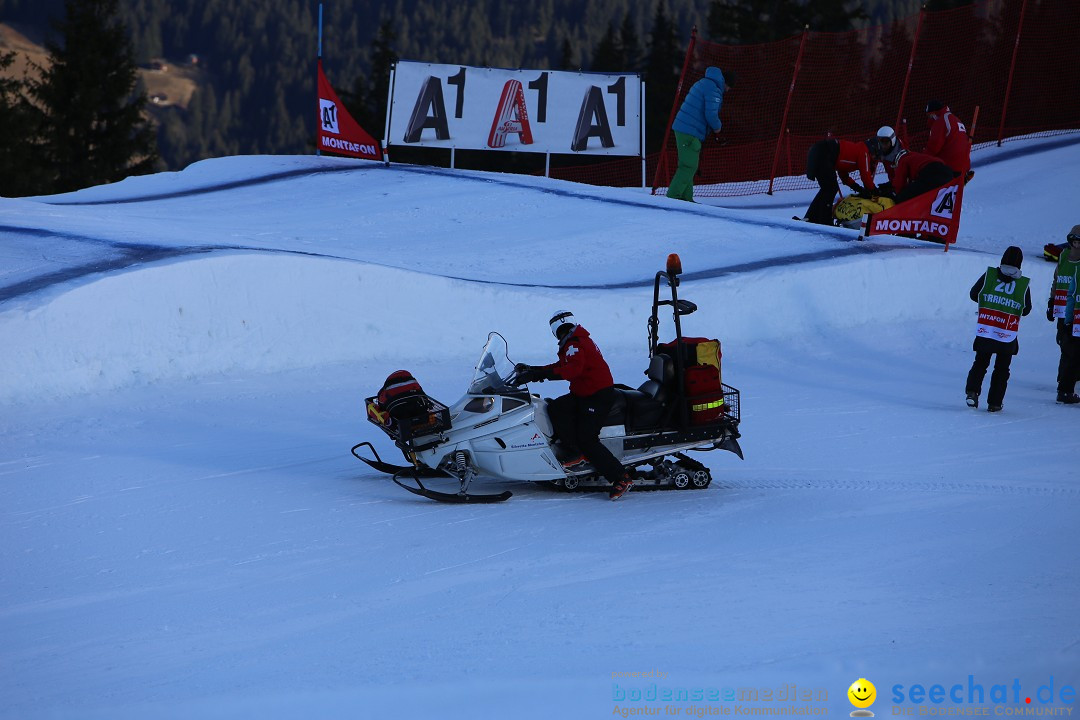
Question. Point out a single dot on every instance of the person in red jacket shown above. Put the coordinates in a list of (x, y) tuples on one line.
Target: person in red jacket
[(829, 158), (949, 141), (917, 173), (579, 416)]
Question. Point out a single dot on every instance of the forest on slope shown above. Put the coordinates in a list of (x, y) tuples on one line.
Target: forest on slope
[(255, 58)]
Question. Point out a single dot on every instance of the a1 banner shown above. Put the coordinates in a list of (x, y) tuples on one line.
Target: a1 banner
[(338, 132), (934, 215)]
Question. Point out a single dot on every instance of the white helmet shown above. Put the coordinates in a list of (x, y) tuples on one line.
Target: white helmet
[(886, 138), (559, 319)]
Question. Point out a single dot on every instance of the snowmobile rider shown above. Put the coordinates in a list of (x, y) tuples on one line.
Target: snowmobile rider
[(578, 416), (829, 158)]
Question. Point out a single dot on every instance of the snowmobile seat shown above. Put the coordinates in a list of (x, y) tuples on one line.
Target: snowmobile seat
[(661, 374), (644, 407)]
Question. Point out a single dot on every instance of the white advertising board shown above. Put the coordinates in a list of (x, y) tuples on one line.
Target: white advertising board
[(545, 111)]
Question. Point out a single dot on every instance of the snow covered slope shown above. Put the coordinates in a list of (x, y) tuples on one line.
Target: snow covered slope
[(184, 534)]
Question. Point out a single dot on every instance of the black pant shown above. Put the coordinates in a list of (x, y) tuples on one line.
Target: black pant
[(1069, 365), (929, 178), (821, 166), (999, 380), (577, 422)]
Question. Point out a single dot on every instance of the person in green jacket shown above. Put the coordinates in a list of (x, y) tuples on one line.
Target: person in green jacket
[(1004, 297), (1062, 307)]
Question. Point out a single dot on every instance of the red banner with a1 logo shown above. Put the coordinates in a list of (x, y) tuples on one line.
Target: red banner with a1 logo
[(338, 132), (934, 215)]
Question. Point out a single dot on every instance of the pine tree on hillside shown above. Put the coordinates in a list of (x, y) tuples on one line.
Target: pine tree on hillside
[(663, 66), (608, 55), (745, 22), (93, 127), (19, 168), (383, 57), (630, 45)]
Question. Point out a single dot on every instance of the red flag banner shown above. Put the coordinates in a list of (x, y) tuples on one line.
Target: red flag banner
[(934, 215), (338, 132)]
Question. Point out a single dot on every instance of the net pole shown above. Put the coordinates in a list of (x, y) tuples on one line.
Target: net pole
[(1012, 67), (910, 64), (787, 107)]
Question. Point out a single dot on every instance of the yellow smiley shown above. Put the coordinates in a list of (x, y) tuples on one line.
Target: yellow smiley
[(862, 693)]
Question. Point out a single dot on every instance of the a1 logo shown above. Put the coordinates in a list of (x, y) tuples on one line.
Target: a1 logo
[(328, 113)]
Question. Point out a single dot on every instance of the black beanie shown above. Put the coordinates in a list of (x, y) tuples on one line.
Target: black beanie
[(1012, 256), (934, 106)]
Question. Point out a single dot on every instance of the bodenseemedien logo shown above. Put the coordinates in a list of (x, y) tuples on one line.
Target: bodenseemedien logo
[(862, 694)]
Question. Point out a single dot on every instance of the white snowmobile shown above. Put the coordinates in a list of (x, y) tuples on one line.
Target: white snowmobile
[(499, 430)]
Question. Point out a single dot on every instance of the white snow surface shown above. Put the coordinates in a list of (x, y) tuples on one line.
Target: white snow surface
[(184, 533)]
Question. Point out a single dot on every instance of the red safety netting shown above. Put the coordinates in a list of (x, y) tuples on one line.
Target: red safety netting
[(1009, 59)]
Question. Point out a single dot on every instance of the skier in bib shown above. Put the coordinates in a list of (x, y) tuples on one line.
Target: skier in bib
[(1064, 308), (1004, 297)]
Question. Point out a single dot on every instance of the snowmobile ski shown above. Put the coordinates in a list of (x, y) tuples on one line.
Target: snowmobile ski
[(457, 498)]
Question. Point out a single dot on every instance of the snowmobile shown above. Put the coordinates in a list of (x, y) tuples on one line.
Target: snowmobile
[(500, 430)]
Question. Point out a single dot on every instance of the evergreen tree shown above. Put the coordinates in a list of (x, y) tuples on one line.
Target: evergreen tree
[(663, 66), (832, 15), (630, 45), (566, 56), (93, 128), (383, 57), (19, 167), (608, 55), (745, 22)]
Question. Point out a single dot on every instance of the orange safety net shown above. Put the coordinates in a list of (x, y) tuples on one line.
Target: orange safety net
[(1011, 59)]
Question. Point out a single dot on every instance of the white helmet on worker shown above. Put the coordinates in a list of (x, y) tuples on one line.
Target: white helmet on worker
[(560, 320)]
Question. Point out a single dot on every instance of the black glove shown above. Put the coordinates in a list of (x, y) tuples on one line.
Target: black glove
[(1049, 312), (527, 373), (885, 190), (858, 189)]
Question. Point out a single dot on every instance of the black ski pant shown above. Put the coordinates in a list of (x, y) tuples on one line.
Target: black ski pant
[(821, 166), (929, 178), (577, 422), (999, 380), (1069, 364)]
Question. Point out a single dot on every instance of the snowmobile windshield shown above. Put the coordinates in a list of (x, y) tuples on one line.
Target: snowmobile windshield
[(489, 377)]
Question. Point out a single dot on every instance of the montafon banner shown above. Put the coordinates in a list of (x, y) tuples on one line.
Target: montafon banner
[(932, 215), (338, 132), (544, 111)]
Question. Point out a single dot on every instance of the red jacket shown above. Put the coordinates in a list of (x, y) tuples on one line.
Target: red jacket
[(908, 168), (949, 142), (581, 363), (856, 156)]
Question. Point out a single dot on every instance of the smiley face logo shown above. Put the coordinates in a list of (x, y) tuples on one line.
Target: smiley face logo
[(862, 694)]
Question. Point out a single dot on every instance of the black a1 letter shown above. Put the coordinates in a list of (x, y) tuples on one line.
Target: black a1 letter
[(429, 112), (592, 107)]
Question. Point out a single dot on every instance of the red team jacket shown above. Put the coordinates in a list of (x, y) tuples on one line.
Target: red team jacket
[(949, 142), (856, 156), (908, 168), (581, 363)]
